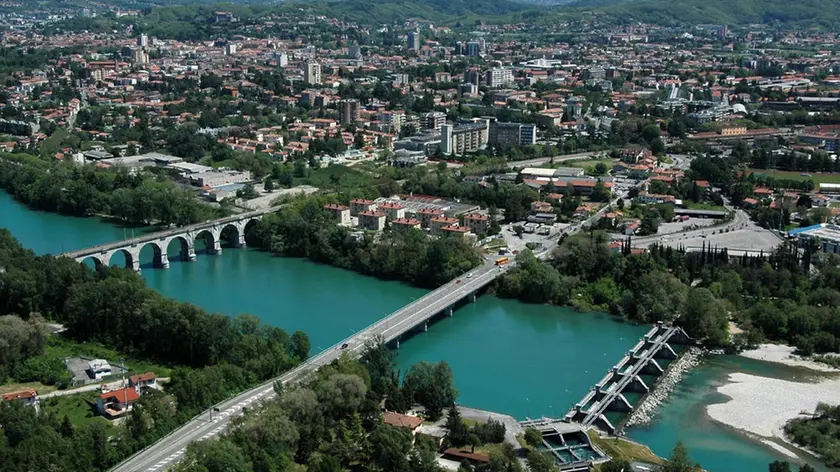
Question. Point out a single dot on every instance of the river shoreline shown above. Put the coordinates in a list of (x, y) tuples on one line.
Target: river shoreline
[(782, 354)]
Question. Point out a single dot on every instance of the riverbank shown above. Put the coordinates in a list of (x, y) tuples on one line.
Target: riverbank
[(781, 354), (761, 406), (644, 412)]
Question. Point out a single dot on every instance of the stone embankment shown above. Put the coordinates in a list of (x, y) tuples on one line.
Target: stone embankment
[(643, 413)]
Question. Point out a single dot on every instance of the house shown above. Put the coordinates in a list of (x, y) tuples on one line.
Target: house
[(820, 200), (27, 397), (339, 212), (649, 198), (540, 207), (141, 381), (116, 403), (99, 368), (477, 223), (463, 231), (437, 223), (457, 455), (400, 420), (750, 202), (360, 205), (372, 220)]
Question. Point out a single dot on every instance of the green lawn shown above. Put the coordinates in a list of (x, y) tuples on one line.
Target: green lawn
[(61, 348), (587, 163), (38, 386), (817, 177), (336, 176), (703, 206), (80, 408)]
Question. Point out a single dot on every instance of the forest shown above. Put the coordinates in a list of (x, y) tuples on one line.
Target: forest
[(773, 297), (213, 356)]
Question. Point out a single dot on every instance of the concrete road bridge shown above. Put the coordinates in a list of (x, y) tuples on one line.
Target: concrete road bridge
[(186, 236), (412, 318), (625, 376)]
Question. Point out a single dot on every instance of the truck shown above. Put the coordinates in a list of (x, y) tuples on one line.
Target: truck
[(502, 261)]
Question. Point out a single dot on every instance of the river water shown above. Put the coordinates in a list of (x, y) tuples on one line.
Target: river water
[(524, 360)]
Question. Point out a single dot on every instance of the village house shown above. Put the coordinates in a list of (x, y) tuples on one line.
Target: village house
[(340, 212), (27, 397), (143, 381), (117, 403), (360, 205)]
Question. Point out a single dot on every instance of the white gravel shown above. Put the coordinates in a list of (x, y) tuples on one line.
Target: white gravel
[(762, 406), (782, 354)]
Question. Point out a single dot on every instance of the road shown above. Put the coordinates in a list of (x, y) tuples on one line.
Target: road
[(169, 450)]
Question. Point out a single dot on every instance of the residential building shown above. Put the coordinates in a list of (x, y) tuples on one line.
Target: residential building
[(400, 420), (312, 72), (440, 222), (354, 51), (360, 205), (340, 212), (372, 220), (143, 381), (143, 41), (348, 111), (405, 223), (477, 223), (117, 403), (27, 397), (827, 236), (463, 231), (473, 48), (414, 41), (99, 368), (392, 120), (230, 49), (463, 138), (434, 120), (392, 210), (498, 77), (507, 135), (427, 215), (652, 198)]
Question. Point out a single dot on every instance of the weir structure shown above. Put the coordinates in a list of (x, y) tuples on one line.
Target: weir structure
[(186, 236), (626, 376)]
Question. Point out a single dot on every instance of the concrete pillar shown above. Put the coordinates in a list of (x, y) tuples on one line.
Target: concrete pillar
[(162, 261), (472, 297), (398, 343), (217, 246), (450, 311), (425, 326), (240, 242), (190, 255), (135, 264)]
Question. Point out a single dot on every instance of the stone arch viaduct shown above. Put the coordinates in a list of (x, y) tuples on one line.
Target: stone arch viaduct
[(186, 236)]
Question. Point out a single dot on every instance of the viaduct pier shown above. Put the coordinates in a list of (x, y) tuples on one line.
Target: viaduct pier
[(626, 376), (185, 236)]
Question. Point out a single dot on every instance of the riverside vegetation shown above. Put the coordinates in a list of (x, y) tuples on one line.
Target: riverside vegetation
[(212, 356), (773, 297)]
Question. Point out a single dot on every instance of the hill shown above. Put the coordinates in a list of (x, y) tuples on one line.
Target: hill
[(821, 12), (443, 11)]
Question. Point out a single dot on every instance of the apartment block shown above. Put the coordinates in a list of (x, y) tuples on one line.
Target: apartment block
[(477, 223), (405, 223), (393, 211), (427, 215), (340, 212), (438, 223), (360, 205), (372, 220)]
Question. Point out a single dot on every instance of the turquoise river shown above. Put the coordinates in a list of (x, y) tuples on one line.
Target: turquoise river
[(524, 360)]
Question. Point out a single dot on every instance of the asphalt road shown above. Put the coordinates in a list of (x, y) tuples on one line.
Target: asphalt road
[(741, 220), (169, 450)]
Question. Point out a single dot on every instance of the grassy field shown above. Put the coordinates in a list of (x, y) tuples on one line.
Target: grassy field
[(80, 408), (61, 348), (587, 163), (703, 206), (622, 449), (818, 178)]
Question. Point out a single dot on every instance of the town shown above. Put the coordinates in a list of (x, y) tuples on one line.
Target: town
[(678, 175)]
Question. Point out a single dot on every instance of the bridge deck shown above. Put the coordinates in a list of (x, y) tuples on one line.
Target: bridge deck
[(167, 233)]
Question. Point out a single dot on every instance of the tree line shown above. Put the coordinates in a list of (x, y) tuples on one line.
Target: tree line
[(773, 296), (137, 199), (214, 356)]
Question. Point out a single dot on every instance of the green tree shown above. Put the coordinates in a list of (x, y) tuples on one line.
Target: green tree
[(679, 461)]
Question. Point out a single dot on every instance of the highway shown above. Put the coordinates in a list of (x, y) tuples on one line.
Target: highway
[(170, 232), (169, 450)]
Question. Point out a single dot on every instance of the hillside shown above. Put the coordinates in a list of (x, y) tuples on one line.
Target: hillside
[(444, 11), (824, 12)]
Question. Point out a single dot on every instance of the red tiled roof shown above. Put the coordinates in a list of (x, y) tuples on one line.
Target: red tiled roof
[(21, 395), (400, 420), (124, 395), (142, 377)]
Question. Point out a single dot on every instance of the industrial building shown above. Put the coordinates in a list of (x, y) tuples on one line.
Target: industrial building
[(826, 235)]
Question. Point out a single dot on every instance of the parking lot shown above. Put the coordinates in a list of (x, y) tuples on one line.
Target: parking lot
[(750, 238), (680, 226)]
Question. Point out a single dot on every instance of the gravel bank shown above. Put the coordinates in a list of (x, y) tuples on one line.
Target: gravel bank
[(644, 412), (781, 354), (762, 406)]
